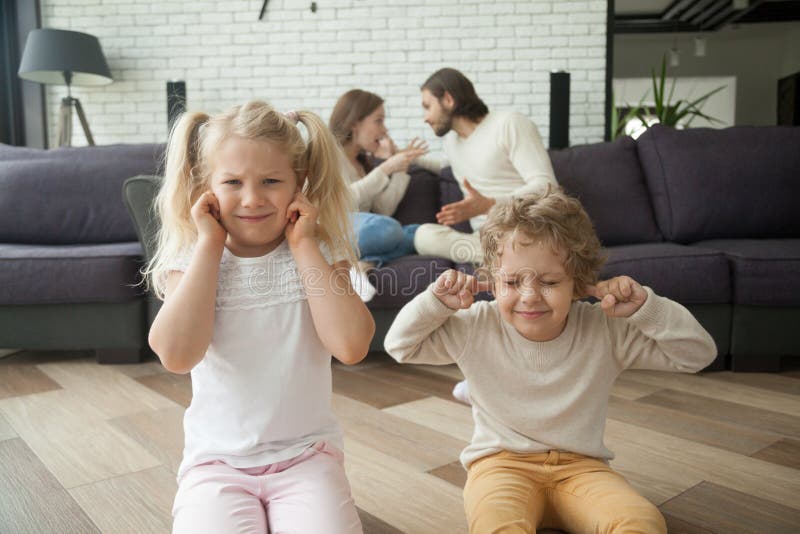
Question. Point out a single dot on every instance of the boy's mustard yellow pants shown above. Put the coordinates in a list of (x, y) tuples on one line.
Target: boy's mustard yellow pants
[(514, 493)]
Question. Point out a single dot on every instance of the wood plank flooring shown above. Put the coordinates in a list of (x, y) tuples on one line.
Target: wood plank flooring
[(92, 448)]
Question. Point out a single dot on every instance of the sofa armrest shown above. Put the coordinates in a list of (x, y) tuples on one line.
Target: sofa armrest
[(139, 194)]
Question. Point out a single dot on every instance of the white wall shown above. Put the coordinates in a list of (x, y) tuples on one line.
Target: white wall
[(791, 51), (295, 58), (756, 54)]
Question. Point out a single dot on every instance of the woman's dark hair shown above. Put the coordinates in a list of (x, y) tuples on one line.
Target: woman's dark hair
[(467, 102), (353, 106)]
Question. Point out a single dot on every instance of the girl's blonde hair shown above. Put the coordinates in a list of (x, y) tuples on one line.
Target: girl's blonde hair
[(554, 217), (189, 159)]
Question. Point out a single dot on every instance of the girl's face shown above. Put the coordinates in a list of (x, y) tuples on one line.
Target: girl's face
[(368, 132), (534, 293), (254, 183)]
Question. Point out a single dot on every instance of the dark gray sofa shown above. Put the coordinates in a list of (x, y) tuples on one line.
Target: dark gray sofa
[(69, 253), (705, 217)]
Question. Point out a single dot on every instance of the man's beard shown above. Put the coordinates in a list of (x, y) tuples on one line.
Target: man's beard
[(445, 125)]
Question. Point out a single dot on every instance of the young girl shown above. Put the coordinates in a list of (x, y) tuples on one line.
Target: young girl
[(251, 217), (357, 122)]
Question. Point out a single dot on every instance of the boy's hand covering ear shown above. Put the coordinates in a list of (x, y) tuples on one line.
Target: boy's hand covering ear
[(456, 290), (621, 296)]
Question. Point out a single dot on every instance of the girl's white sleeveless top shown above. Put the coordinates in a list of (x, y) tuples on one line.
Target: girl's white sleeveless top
[(262, 393)]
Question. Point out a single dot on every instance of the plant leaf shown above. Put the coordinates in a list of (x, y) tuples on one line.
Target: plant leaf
[(663, 80), (614, 126), (703, 98), (671, 92)]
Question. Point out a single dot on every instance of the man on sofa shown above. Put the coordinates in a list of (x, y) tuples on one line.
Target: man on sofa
[(494, 155)]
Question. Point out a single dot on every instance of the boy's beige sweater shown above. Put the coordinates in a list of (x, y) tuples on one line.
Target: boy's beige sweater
[(532, 396)]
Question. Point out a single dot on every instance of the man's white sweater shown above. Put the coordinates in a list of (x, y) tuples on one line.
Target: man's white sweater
[(503, 157), (530, 396)]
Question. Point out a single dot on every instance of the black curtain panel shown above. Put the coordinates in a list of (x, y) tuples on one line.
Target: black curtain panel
[(22, 103), (11, 128)]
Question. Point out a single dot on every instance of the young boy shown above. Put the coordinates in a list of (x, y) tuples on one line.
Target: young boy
[(541, 365)]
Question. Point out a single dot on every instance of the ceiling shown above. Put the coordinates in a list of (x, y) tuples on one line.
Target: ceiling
[(651, 16)]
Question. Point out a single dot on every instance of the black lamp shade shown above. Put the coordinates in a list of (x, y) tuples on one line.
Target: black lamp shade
[(49, 53)]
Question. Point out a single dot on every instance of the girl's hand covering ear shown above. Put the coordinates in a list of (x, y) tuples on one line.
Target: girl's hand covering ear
[(207, 218), (302, 217)]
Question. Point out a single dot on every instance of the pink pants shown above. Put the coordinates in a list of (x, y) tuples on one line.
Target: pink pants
[(307, 494)]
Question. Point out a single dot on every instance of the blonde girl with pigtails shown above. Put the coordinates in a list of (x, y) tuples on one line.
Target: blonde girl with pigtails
[(252, 263)]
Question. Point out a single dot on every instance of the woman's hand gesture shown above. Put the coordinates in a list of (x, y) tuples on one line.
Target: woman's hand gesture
[(400, 161)]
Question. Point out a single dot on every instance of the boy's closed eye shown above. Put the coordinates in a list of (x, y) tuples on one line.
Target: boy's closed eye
[(544, 283)]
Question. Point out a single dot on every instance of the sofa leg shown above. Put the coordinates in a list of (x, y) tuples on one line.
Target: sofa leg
[(112, 356), (755, 364)]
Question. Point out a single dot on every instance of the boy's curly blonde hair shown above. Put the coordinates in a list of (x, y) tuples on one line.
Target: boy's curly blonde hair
[(552, 216)]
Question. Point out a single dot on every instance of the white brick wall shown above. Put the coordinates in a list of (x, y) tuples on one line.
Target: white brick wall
[(298, 59)]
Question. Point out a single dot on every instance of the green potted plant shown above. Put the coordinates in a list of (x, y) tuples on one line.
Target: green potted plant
[(678, 114)]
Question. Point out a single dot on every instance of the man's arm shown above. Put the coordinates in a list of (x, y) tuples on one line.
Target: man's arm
[(527, 154)]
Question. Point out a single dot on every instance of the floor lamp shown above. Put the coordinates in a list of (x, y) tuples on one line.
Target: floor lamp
[(70, 58)]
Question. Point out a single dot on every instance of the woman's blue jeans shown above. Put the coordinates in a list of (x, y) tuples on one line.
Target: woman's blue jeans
[(381, 238)]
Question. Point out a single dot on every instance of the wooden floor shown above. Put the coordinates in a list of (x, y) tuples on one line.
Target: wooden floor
[(90, 448)]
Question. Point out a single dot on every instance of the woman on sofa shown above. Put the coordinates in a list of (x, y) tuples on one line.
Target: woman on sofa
[(357, 122)]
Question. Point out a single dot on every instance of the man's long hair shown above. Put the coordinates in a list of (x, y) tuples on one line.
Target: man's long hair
[(467, 102)]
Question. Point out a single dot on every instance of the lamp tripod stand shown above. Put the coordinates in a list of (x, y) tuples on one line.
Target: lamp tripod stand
[(65, 117)]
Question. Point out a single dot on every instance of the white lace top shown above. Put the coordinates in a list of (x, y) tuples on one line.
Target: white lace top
[(247, 283), (262, 393)]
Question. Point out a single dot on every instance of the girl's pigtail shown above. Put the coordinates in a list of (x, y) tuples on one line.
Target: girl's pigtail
[(179, 190), (327, 189)]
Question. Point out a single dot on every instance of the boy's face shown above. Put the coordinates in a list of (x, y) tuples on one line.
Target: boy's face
[(533, 291)]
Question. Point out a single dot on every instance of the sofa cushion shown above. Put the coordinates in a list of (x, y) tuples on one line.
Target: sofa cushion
[(689, 275), (608, 180), (421, 201), (71, 195), (9, 152), (765, 272), (35, 274), (138, 151), (741, 182), (402, 279)]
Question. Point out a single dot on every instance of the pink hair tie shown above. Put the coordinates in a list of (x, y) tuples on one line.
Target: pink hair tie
[(292, 116)]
